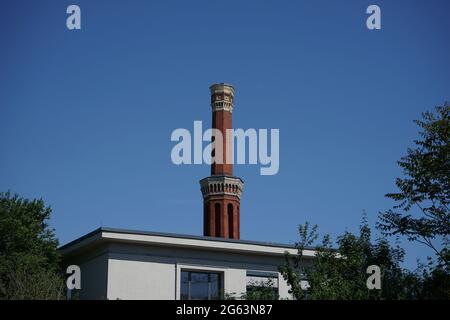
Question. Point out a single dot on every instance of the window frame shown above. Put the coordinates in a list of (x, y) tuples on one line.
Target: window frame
[(202, 271), (264, 276)]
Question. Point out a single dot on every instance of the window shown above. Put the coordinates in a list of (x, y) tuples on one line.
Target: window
[(217, 214), (199, 285), (230, 220), (262, 285), (206, 217)]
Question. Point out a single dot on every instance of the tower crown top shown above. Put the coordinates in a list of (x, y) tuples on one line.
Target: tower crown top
[(222, 88), (222, 95)]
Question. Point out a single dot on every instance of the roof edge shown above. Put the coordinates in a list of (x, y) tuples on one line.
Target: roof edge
[(79, 239), (175, 235)]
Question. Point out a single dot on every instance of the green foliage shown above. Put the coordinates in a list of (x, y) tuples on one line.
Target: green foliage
[(432, 282), (435, 284), (425, 188), (29, 262), (293, 270), (341, 273)]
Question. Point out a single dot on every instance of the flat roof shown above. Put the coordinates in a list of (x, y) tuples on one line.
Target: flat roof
[(102, 230)]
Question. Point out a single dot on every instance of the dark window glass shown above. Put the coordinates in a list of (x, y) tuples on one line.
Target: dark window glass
[(230, 220), (184, 292), (200, 285), (215, 291)]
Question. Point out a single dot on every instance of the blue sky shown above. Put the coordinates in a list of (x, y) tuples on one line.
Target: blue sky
[(86, 116)]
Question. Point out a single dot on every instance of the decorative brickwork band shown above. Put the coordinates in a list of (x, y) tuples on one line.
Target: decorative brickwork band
[(221, 185)]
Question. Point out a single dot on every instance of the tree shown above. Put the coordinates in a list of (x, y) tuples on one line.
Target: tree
[(341, 273), (294, 271), (424, 187), (433, 282), (29, 261)]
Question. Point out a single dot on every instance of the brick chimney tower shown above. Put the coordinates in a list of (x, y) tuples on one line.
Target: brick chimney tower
[(222, 191)]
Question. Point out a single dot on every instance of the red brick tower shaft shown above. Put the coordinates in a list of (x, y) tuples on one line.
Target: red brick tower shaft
[(222, 120)]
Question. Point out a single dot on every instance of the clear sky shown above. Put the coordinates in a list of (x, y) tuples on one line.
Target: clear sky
[(86, 116)]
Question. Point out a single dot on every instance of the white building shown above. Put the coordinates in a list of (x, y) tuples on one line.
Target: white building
[(126, 264)]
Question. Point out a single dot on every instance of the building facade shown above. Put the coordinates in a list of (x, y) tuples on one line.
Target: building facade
[(127, 264)]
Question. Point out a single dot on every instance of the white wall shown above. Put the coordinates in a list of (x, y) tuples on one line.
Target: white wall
[(283, 288), (140, 280), (94, 277), (235, 281), (140, 276)]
